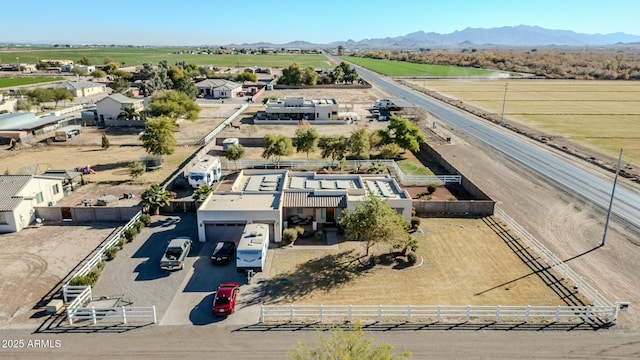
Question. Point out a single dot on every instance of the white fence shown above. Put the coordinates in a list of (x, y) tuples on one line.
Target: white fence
[(97, 257), (214, 132), (408, 313), (347, 164), (121, 314), (555, 263)]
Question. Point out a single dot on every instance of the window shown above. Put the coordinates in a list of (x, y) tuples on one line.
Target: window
[(3, 218), (39, 197), (323, 213), (56, 189)]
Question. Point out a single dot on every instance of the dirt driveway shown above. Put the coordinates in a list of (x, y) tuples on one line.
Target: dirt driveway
[(34, 261)]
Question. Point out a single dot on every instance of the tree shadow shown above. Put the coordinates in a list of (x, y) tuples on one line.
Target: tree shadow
[(322, 274)]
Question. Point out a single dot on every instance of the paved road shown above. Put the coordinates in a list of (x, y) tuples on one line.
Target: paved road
[(592, 187)]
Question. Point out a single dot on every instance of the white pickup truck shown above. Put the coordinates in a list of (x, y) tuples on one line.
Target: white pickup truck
[(174, 256)]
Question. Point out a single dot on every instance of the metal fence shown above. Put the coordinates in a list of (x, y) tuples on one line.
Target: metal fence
[(214, 132), (408, 313)]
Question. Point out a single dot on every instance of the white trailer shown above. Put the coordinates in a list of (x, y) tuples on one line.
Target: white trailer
[(68, 132), (205, 172), (251, 253)]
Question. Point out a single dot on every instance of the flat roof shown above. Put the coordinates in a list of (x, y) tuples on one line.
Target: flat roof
[(239, 201)]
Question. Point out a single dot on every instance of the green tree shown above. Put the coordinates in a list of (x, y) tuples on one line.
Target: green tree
[(84, 61), (291, 75), (276, 146), (24, 105), (136, 169), (128, 113), (98, 74), (310, 76), (175, 73), (200, 194), (234, 153), (153, 198), (78, 71), (39, 95), (359, 145), (390, 151), (246, 76), (174, 104), (372, 221), (120, 85), (107, 60), (186, 85), (61, 94), (158, 138), (105, 141), (334, 147), (352, 344), (110, 68), (123, 74), (306, 140), (403, 133)]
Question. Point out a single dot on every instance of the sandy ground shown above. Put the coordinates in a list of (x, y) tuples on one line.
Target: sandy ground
[(33, 263)]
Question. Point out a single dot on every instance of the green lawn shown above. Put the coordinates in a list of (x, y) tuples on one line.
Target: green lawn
[(402, 68), (413, 166), (10, 82), (138, 56)]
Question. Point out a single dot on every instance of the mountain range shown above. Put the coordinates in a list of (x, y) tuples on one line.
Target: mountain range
[(521, 35)]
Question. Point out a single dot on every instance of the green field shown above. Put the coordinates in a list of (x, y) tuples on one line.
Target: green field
[(402, 68), (138, 56), (600, 115), (10, 82)]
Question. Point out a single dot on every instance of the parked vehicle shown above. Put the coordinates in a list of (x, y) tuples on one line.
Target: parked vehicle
[(223, 252), (224, 303), (252, 249), (205, 172), (174, 256)]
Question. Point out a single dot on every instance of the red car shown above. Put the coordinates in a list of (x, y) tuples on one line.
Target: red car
[(225, 301)]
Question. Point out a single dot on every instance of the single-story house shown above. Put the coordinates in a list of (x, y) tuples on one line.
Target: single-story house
[(110, 108), (281, 198), (20, 194), (84, 88), (218, 89)]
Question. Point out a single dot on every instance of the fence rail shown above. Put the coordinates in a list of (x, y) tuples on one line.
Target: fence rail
[(555, 263), (410, 313), (121, 314), (216, 131)]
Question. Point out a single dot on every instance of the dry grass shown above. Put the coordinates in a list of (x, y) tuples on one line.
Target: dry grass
[(600, 115), (465, 263)]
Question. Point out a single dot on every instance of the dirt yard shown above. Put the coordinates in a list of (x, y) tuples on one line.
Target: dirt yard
[(34, 261), (465, 263)]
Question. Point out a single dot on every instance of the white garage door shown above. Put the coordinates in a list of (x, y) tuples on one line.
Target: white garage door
[(224, 231)]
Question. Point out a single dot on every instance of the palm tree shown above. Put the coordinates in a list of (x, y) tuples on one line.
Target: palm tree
[(153, 198), (128, 113)]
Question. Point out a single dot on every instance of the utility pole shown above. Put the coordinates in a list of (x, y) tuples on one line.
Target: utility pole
[(504, 101), (615, 181)]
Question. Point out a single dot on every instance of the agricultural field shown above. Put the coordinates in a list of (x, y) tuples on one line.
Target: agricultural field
[(600, 115), (402, 68), (10, 82), (138, 56)]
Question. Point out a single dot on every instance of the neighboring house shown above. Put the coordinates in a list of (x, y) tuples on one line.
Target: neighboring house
[(218, 89), (258, 70), (84, 88), (297, 108), (109, 108), (281, 198), (20, 194)]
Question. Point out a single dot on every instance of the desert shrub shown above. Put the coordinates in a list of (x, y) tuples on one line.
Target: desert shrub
[(415, 222), (130, 234), (138, 225), (110, 253), (431, 188), (374, 260), (289, 236), (412, 258), (413, 210), (121, 242), (146, 219), (299, 230), (411, 244), (90, 279)]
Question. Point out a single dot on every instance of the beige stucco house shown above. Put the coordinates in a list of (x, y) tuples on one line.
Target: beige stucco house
[(19, 194), (109, 108)]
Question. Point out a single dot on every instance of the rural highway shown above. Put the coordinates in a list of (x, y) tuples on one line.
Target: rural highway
[(593, 188)]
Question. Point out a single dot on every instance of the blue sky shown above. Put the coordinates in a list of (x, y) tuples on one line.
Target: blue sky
[(188, 22)]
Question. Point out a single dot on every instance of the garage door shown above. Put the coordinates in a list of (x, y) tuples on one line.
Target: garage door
[(223, 231)]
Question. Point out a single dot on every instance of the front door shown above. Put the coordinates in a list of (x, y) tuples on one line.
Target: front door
[(330, 215), (66, 213)]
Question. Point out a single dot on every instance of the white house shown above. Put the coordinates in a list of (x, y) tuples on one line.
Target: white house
[(19, 194), (109, 108), (280, 198), (297, 108), (84, 88), (218, 89)]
